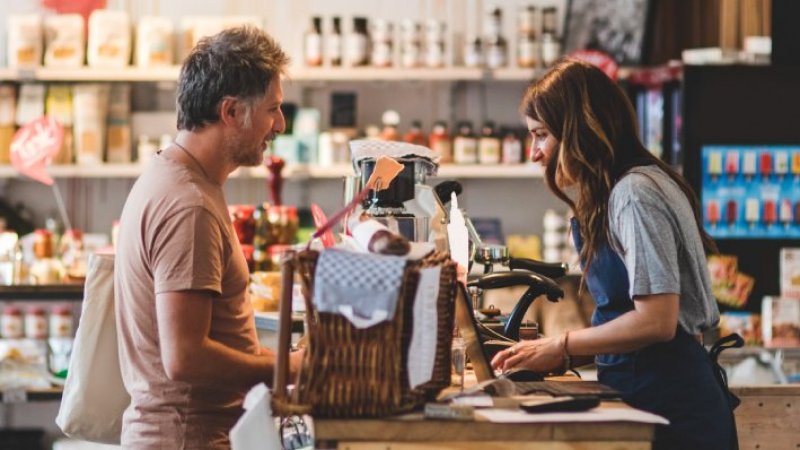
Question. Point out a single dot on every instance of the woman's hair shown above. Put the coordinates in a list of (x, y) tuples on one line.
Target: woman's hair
[(595, 125)]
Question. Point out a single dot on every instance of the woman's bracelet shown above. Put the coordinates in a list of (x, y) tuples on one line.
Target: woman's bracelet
[(564, 353)]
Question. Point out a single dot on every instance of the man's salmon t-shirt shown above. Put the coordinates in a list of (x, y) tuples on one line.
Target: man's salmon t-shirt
[(175, 235)]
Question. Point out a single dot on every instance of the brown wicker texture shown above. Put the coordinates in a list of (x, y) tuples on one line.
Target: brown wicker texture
[(351, 372)]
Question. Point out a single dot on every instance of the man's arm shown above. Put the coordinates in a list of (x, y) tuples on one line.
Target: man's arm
[(190, 355)]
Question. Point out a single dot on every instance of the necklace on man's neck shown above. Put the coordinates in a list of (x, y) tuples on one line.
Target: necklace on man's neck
[(196, 161)]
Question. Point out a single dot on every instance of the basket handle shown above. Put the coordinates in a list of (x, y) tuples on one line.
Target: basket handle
[(284, 327)]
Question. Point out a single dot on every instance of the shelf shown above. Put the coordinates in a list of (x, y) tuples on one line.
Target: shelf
[(300, 74), (41, 292), (384, 74), (154, 74), (292, 171), (34, 395)]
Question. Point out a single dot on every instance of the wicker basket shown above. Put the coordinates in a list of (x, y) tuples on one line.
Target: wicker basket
[(351, 372)]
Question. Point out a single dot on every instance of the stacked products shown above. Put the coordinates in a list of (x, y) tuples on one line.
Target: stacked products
[(751, 191)]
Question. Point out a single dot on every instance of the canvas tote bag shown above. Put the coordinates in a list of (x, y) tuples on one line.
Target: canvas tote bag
[(94, 397)]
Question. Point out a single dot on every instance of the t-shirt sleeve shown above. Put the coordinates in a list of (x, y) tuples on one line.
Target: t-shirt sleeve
[(648, 240), (188, 252)]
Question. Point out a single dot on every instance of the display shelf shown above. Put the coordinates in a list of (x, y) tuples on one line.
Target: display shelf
[(514, 74), (320, 74), (13, 396), (292, 171), (47, 292), (384, 74)]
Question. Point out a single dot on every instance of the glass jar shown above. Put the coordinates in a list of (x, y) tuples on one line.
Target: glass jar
[(61, 325), (243, 222), (11, 323), (35, 323)]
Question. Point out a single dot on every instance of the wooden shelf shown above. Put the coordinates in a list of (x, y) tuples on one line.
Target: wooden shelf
[(292, 171), (299, 74), (73, 292)]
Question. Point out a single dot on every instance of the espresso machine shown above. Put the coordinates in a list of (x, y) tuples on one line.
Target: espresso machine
[(407, 206)]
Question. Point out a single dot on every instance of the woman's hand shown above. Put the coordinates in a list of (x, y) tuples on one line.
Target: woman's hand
[(541, 355)]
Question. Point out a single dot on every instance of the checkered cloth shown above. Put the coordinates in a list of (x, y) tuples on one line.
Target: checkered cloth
[(361, 149), (361, 286)]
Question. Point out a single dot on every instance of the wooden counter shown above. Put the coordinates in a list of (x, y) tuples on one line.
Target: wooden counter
[(414, 432), (768, 417)]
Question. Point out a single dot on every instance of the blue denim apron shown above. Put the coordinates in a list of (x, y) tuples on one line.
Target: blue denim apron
[(673, 379)]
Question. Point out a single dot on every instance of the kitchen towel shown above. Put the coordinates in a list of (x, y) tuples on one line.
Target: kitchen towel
[(363, 287)]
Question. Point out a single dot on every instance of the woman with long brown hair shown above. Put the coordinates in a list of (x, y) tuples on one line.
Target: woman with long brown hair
[(643, 250)]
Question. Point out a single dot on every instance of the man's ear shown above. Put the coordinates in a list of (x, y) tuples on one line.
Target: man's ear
[(229, 111)]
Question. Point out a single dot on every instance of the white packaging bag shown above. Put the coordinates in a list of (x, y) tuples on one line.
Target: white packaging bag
[(94, 396), (256, 429)]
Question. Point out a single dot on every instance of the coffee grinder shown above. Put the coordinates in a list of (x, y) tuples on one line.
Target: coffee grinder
[(407, 206)]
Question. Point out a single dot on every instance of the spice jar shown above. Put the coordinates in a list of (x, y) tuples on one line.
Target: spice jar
[(61, 322), (243, 222), (35, 323), (11, 323)]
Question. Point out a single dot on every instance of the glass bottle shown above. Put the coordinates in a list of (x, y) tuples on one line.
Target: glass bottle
[(357, 44), (527, 46), (45, 269), (415, 134), (333, 45), (313, 43), (496, 45), (434, 43), (440, 142), (410, 48), (381, 43), (473, 52), (488, 145), (465, 146), (390, 119), (551, 47)]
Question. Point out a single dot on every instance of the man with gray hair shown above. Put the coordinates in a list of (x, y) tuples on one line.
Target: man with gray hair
[(187, 338)]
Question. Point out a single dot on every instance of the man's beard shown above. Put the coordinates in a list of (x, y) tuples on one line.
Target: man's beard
[(243, 153)]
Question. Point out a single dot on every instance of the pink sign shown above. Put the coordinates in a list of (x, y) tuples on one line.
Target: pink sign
[(34, 147)]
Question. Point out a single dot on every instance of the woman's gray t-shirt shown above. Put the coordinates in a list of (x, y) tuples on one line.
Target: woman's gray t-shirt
[(657, 237)]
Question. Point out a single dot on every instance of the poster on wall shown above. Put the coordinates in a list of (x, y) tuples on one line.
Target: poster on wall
[(617, 27)]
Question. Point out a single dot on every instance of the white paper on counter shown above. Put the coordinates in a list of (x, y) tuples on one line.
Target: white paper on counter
[(256, 429), (422, 351), (593, 415), (478, 401)]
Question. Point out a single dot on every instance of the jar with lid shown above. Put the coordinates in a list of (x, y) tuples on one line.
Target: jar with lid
[(61, 325), (440, 142), (381, 43), (357, 44), (512, 148), (243, 222), (313, 43), (11, 323), (35, 323), (465, 145), (410, 47)]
